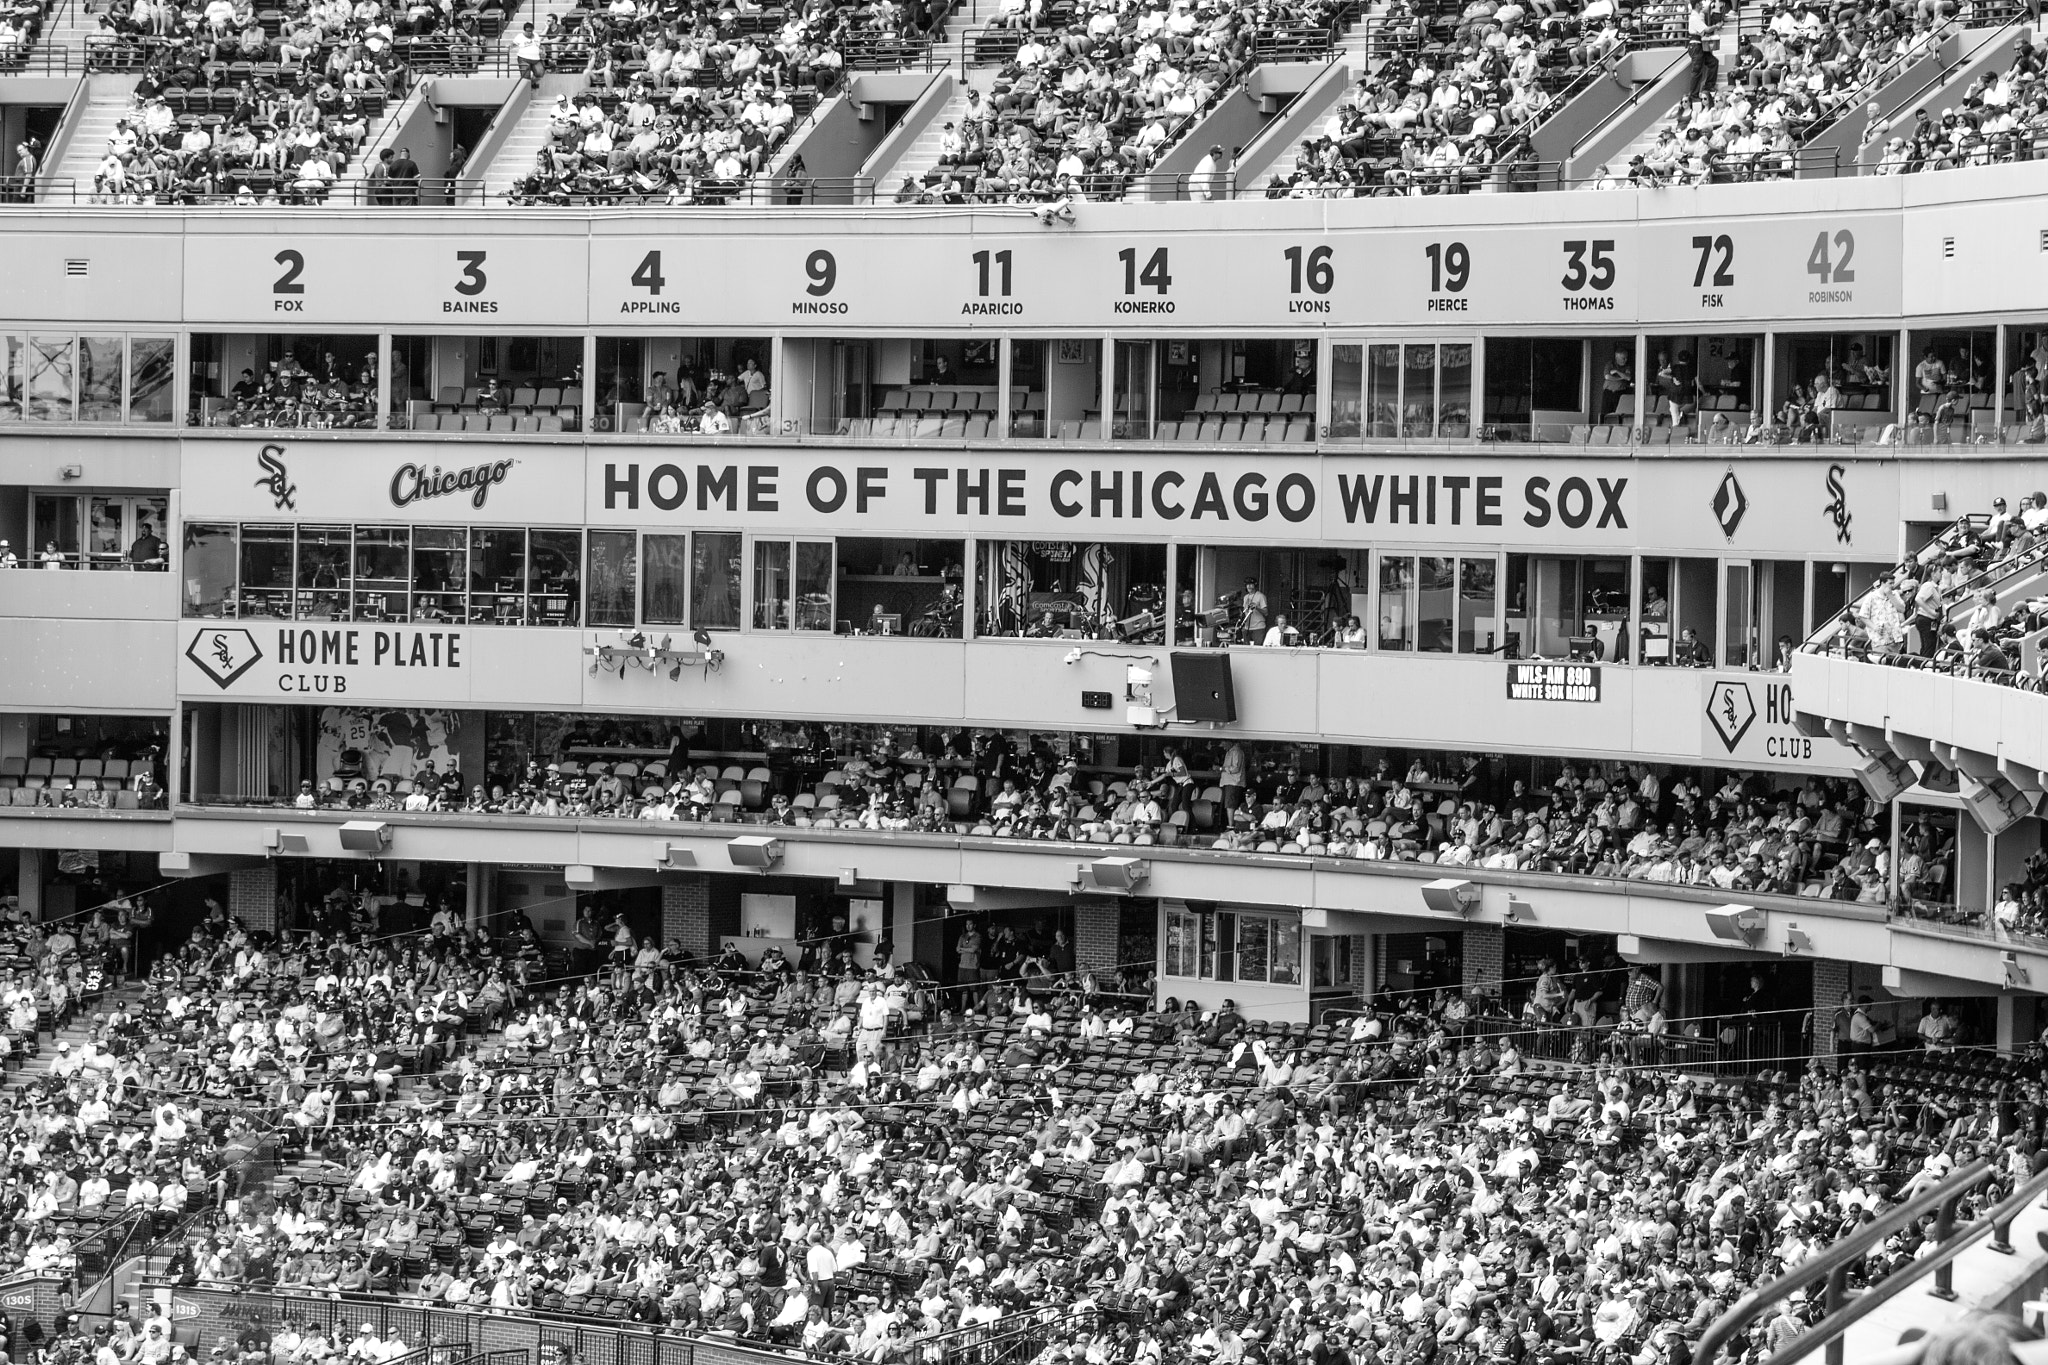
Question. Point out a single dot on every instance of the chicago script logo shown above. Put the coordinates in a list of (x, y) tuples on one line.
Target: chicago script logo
[(1839, 508), (275, 477)]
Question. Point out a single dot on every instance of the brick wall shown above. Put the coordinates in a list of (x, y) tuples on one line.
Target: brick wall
[(1830, 984), (686, 914), (252, 897), (1097, 933), (1362, 965), (1485, 949)]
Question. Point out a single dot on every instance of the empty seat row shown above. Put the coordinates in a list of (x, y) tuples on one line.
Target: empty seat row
[(1253, 402), (500, 421), (928, 426), (1240, 427), (949, 400), (525, 398), (65, 784), (18, 766)]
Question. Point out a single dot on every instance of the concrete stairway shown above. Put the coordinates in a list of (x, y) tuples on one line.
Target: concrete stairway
[(923, 154), (529, 135), (106, 99)]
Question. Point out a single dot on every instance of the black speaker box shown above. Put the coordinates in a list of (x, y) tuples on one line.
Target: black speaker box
[(1201, 687)]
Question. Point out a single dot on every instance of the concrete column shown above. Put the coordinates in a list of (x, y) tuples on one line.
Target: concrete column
[(1974, 855), (1485, 949), (475, 900), (2012, 1036), (30, 887), (900, 902)]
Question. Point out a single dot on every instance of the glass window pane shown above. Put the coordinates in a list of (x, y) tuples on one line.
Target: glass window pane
[(1436, 584), (209, 566), (497, 576), (1738, 649), (149, 522), (326, 570), (665, 579), (1382, 389), (383, 573), (49, 378), (151, 362), (440, 573), (1397, 618), (1347, 379), (1418, 391), (1132, 419), (814, 585), (106, 533), (266, 571), (99, 379), (1253, 961), (771, 585), (715, 581), (1285, 969), (554, 593), (13, 377), (56, 532), (614, 578), (1454, 392), (1476, 605), (1606, 610)]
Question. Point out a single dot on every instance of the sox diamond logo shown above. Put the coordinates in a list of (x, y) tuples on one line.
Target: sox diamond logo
[(1731, 711), (224, 654), (1730, 504)]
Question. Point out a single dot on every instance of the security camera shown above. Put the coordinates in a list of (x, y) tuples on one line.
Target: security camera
[(1073, 657)]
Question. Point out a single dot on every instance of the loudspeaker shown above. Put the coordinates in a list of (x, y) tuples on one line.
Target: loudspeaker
[(1202, 689)]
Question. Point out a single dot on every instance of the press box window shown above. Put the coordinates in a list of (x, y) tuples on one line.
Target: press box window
[(1256, 391), (1072, 590), (529, 384), (899, 587), (895, 388), (245, 379), (667, 386), (1385, 390), (106, 380)]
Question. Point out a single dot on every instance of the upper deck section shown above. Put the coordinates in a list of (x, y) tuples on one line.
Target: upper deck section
[(1820, 253)]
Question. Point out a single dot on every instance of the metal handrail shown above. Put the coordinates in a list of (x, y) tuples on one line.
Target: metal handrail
[(1836, 1261), (1635, 96), (1891, 71)]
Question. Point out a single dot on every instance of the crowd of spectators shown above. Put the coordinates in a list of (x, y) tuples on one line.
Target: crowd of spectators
[(285, 136), (102, 1131), (1088, 96), (288, 394), (1733, 831), (1450, 109), (2000, 116), (1961, 604), (820, 1158), (685, 102)]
